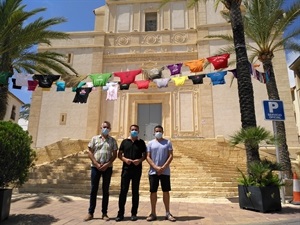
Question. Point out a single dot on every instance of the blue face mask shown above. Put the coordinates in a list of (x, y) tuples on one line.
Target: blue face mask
[(134, 133), (105, 131), (158, 135)]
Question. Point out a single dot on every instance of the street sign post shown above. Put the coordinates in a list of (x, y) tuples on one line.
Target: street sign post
[(273, 110)]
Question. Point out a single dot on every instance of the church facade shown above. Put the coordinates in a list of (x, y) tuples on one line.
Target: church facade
[(138, 34)]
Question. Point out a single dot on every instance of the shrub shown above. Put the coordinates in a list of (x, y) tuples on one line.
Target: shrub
[(16, 155)]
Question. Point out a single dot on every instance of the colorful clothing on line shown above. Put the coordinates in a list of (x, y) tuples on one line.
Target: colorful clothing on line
[(112, 92), (179, 81), (217, 77), (82, 95), (100, 79), (162, 82), (32, 84), (219, 61), (124, 86), (22, 79), (260, 76), (79, 85), (175, 68), (195, 65), (46, 81), (127, 77), (4, 77), (142, 84), (197, 79), (234, 72), (154, 73), (60, 85)]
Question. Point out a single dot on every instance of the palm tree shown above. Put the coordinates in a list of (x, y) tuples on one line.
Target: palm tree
[(265, 22), (17, 41), (25, 110), (245, 88)]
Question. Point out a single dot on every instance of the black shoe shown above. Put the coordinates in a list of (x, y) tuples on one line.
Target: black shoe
[(133, 218), (119, 218)]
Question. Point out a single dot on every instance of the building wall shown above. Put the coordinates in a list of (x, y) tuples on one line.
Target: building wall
[(120, 43), (13, 108)]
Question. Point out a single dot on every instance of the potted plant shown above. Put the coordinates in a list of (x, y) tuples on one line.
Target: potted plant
[(16, 158), (259, 189)]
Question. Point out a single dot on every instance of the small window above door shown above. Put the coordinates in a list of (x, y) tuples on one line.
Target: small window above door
[(151, 21)]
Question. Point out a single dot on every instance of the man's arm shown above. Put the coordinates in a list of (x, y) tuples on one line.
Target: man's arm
[(92, 158)]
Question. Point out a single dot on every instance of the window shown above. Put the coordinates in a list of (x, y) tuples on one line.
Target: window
[(151, 21), (63, 119), (13, 113), (69, 58)]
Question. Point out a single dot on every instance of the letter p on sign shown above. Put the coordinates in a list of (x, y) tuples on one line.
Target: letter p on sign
[(272, 106)]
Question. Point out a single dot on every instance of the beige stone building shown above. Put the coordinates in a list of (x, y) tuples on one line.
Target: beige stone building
[(295, 66), (14, 105), (138, 34)]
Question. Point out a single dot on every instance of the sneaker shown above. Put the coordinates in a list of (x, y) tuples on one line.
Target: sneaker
[(119, 218), (88, 217), (133, 218), (105, 217), (170, 217), (151, 217)]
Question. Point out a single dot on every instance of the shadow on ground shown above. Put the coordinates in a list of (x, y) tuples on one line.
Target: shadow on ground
[(29, 219)]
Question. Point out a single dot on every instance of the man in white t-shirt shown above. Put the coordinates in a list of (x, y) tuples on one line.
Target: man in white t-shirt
[(159, 157)]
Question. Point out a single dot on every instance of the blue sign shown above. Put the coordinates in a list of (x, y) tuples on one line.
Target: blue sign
[(274, 110)]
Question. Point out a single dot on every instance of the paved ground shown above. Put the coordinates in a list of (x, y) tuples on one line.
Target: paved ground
[(69, 210)]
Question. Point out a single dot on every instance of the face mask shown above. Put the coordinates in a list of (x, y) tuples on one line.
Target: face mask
[(105, 131), (158, 135), (134, 133)]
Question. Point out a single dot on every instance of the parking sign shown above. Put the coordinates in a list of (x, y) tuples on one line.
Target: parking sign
[(274, 110)]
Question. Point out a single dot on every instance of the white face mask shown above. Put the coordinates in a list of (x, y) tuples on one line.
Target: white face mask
[(158, 135)]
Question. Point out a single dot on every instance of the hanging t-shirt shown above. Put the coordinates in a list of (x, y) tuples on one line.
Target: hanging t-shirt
[(112, 92), (60, 85), (197, 79), (32, 84), (219, 61), (79, 85), (154, 73), (124, 86), (142, 84), (127, 77), (179, 81), (100, 79), (22, 79), (4, 77), (82, 95), (175, 68), (217, 77), (195, 65), (46, 81), (162, 82)]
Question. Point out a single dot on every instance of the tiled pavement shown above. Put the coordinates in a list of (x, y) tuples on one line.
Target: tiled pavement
[(69, 210)]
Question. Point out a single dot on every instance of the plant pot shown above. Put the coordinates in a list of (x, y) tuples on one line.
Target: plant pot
[(262, 199), (5, 200)]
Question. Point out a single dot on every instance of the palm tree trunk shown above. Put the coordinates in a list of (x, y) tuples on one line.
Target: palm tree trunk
[(245, 88), (3, 101), (273, 94)]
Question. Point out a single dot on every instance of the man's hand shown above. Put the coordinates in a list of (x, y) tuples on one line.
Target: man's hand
[(136, 162)]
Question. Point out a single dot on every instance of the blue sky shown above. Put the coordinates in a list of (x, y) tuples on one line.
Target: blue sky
[(80, 17)]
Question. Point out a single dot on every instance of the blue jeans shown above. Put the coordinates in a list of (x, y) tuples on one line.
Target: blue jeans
[(95, 179), (133, 175)]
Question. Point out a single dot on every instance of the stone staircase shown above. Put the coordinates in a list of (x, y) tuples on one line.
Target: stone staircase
[(200, 168)]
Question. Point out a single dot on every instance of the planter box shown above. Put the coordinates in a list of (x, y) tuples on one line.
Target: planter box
[(5, 200), (262, 199)]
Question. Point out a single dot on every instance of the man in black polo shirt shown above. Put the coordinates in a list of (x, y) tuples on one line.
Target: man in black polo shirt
[(132, 152)]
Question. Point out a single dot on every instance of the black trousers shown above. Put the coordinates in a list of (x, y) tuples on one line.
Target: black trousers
[(95, 179), (133, 175)]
